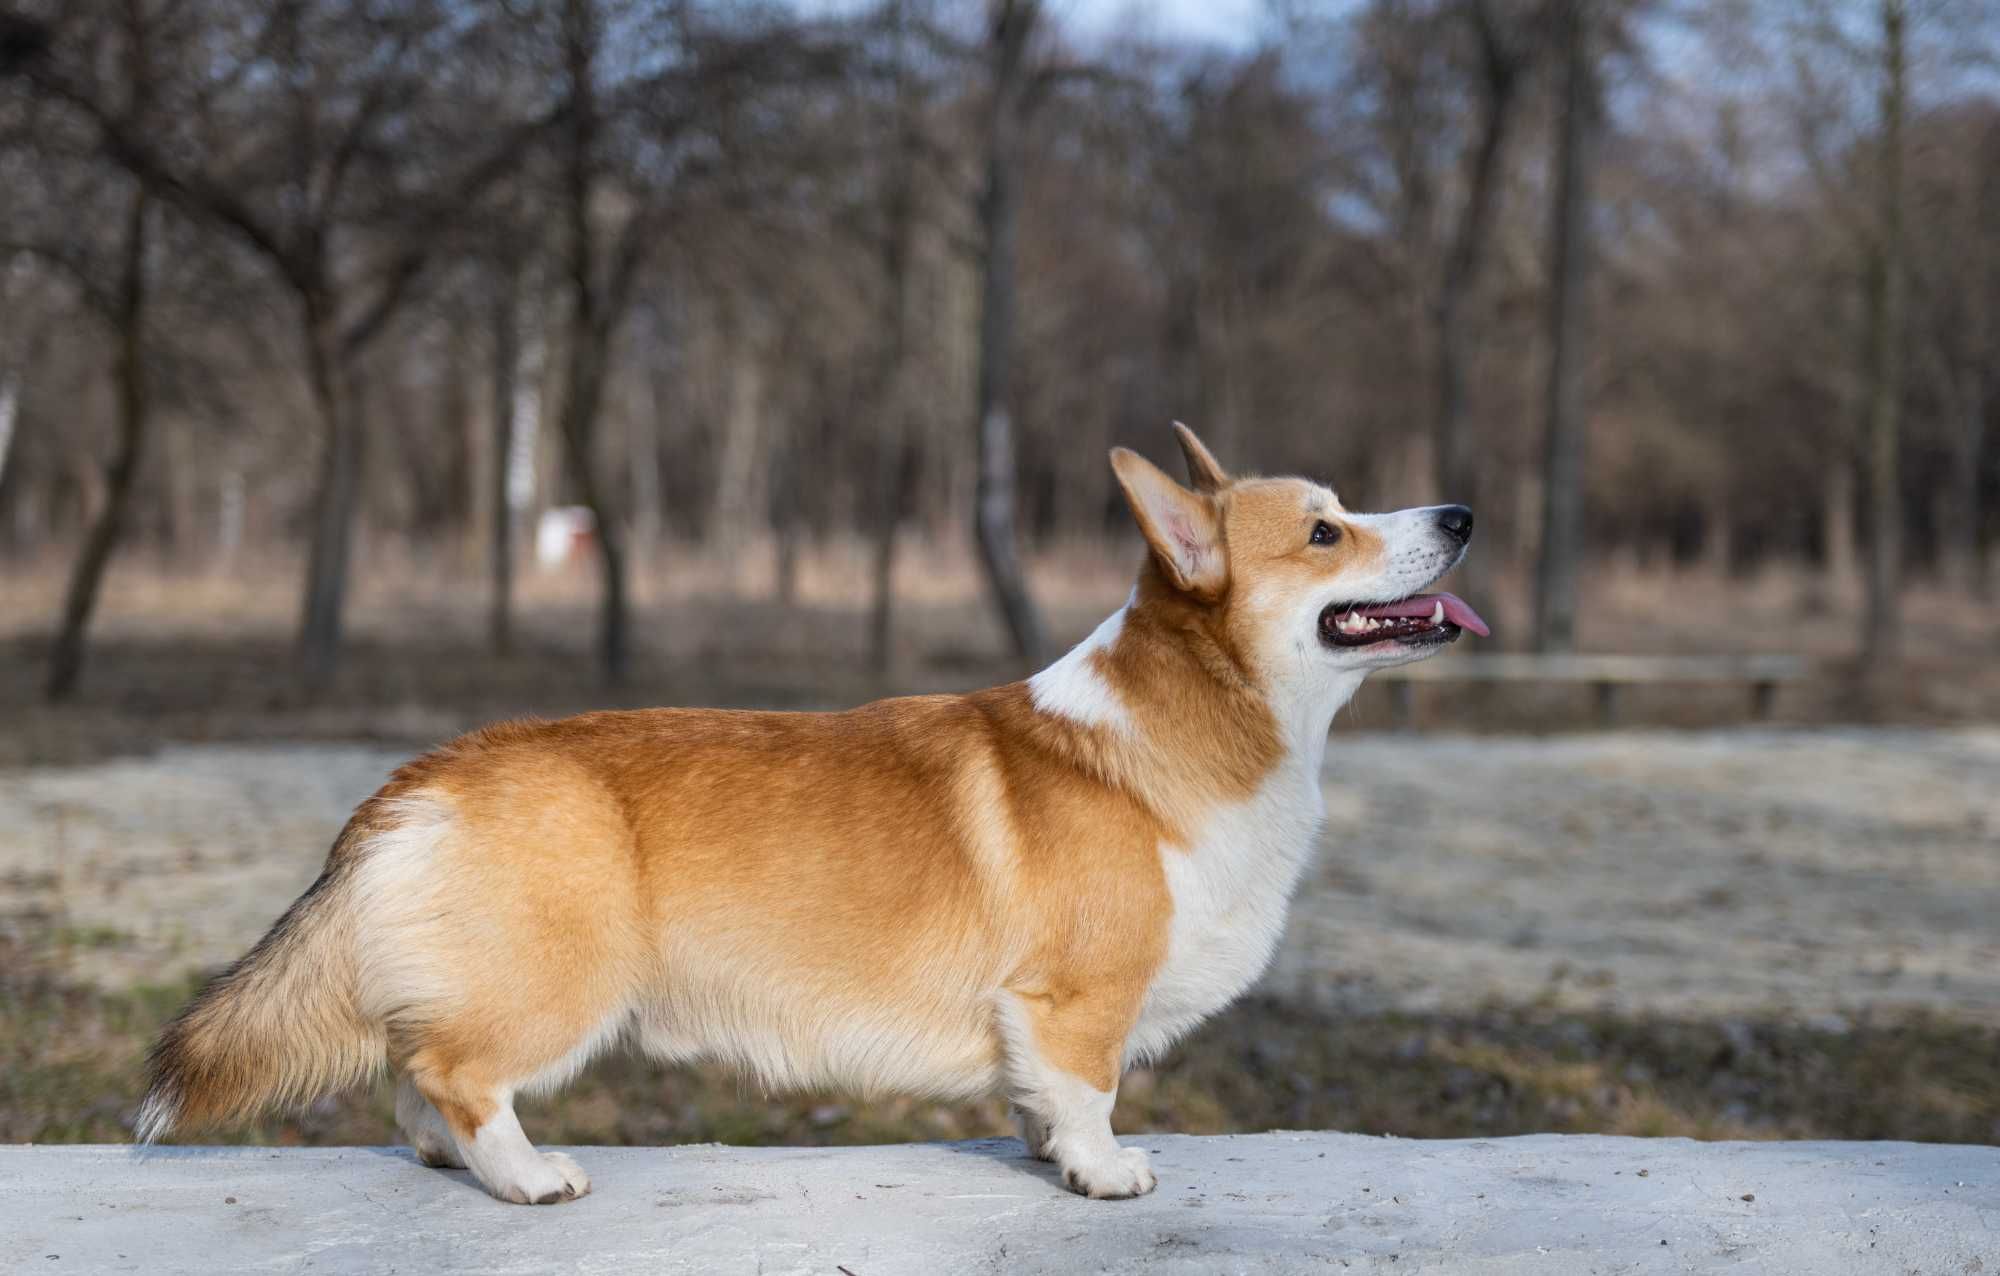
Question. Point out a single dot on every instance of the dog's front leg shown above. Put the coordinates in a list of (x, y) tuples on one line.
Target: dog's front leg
[(1063, 1060)]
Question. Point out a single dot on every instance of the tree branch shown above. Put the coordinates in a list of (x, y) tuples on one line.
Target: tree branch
[(420, 242), (378, 98), (69, 266), (197, 192)]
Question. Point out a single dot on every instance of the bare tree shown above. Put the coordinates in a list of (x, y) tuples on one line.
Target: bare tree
[(1501, 62), (1955, 285), (302, 232), (1886, 284), (123, 307), (127, 314), (1011, 24), (1579, 119), (506, 356), (10, 415), (888, 394), (823, 256), (598, 298)]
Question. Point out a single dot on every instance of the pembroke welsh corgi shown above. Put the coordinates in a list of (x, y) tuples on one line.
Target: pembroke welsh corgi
[(1023, 889)]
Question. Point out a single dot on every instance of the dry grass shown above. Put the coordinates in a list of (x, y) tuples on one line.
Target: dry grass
[(70, 1056)]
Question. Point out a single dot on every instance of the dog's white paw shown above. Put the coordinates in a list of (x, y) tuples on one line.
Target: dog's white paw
[(1113, 1177), (550, 1179)]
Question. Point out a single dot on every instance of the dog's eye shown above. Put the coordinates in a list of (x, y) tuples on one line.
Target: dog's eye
[(1325, 533)]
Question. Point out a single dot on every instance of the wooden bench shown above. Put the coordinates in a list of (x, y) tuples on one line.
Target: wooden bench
[(1761, 672)]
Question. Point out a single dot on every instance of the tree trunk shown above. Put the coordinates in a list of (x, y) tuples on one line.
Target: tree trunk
[(87, 575), (500, 547), (882, 608), (742, 475), (183, 484), (898, 483), (1837, 527), (896, 454), (994, 498), (1455, 455), (229, 514), (1568, 330), (1970, 515), (590, 335), (336, 494), (784, 520), (1880, 631), (10, 409), (582, 405), (648, 504), (459, 491)]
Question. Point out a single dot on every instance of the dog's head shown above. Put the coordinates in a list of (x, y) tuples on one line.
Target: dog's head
[(1299, 588)]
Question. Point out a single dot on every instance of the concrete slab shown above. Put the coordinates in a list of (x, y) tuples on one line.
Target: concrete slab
[(1541, 1206)]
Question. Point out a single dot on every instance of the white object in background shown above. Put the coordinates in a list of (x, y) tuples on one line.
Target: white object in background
[(564, 535), (520, 460)]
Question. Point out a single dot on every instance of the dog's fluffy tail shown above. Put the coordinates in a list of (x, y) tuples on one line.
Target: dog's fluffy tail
[(280, 1027)]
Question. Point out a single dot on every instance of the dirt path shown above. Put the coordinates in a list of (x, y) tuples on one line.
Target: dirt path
[(1814, 873)]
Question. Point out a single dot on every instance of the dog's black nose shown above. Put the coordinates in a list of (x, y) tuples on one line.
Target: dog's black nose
[(1456, 520)]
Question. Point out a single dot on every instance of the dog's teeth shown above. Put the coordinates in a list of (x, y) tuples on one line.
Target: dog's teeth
[(1437, 613)]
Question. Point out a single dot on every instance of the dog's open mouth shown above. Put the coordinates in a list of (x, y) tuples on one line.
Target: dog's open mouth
[(1420, 620)]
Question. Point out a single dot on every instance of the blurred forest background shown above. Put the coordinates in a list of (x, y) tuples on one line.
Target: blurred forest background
[(370, 369), (315, 301)]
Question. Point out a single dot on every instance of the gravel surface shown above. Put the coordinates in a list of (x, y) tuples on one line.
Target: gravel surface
[(1810, 873)]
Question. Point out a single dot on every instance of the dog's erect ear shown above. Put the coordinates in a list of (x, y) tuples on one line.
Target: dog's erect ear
[(1182, 527), (1203, 471)]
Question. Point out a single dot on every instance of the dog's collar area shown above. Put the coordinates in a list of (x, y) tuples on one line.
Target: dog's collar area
[(1420, 620)]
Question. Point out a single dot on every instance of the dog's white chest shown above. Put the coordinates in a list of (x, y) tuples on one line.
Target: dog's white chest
[(1230, 892)]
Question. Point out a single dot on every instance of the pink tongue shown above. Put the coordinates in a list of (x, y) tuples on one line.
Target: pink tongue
[(1456, 610)]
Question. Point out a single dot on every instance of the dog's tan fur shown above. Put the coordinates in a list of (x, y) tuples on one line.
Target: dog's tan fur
[(944, 894)]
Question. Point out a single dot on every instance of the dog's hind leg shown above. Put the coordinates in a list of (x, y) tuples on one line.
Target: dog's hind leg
[(500, 939), (477, 1111), (425, 1130), (1034, 1133)]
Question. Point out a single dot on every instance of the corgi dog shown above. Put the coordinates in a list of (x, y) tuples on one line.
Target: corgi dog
[(1021, 890)]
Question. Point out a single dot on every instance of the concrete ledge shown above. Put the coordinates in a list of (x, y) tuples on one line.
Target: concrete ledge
[(1541, 1206)]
